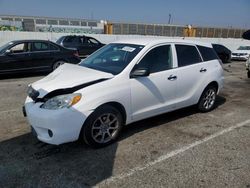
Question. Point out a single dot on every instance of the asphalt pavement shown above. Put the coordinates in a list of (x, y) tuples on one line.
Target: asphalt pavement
[(184, 148)]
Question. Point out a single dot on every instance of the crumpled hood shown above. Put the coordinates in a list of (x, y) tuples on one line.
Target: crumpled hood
[(67, 76), (241, 51)]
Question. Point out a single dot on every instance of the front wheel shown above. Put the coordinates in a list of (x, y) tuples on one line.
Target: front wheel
[(102, 127), (207, 100)]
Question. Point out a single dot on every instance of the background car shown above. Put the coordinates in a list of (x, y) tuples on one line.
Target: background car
[(242, 53), (246, 35), (223, 52), (248, 67), (34, 55), (84, 44)]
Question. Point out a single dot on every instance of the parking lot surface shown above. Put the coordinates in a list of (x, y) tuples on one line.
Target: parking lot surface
[(184, 148)]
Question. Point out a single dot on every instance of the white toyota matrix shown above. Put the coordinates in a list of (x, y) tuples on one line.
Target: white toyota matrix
[(121, 83)]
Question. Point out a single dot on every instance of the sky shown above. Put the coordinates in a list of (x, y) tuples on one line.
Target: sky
[(217, 13)]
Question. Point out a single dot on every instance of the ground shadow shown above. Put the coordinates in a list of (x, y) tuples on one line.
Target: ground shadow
[(25, 162), (142, 125)]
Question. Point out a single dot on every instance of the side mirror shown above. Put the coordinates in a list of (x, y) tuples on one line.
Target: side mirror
[(139, 72), (8, 52)]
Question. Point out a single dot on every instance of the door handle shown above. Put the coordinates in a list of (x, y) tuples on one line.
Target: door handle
[(203, 70), (172, 77)]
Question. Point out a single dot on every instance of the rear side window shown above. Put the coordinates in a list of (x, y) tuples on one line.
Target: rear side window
[(158, 59), (72, 39), (187, 55), (53, 47), (40, 46), (208, 54)]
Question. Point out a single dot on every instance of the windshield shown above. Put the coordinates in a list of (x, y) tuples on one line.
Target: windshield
[(60, 40), (244, 48), (2, 48), (112, 58)]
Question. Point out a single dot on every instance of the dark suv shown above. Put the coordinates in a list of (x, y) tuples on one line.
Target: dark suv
[(84, 44)]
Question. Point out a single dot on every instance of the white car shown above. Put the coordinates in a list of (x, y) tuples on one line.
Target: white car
[(242, 53), (121, 83), (248, 67)]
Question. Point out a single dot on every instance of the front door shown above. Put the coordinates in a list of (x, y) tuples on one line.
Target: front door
[(154, 94), (16, 59)]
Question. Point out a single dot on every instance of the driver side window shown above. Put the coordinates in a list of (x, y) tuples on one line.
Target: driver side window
[(158, 59), (19, 48)]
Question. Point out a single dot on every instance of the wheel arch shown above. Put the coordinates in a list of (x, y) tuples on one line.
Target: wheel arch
[(59, 59), (114, 104), (56, 60), (119, 107), (212, 83)]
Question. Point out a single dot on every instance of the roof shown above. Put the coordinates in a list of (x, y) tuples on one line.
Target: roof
[(30, 40), (155, 41)]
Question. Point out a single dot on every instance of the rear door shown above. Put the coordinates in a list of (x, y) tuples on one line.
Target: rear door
[(190, 72), (42, 56), (155, 93)]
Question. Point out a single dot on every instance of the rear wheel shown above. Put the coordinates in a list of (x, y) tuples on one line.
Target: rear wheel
[(208, 98), (58, 64), (102, 127)]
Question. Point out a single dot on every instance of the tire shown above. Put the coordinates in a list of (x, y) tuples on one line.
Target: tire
[(248, 74), (207, 99), (102, 127), (57, 64)]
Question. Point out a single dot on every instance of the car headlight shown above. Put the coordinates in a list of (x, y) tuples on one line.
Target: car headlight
[(62, 101)]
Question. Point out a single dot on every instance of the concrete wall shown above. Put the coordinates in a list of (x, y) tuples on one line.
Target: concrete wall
[(6, 36)]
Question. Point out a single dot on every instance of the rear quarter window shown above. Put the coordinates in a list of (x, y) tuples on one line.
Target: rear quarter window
[(53, 47), (207, 53), (40, 46)]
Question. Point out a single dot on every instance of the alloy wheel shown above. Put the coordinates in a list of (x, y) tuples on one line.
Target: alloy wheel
[(105, 128), (209, 99)]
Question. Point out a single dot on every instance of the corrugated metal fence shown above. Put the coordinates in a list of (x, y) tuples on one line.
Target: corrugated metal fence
[(174, 30)]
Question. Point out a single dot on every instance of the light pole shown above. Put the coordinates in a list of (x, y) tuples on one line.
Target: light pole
[(169, 18)]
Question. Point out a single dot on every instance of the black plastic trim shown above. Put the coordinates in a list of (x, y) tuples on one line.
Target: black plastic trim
[(68, 90)]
